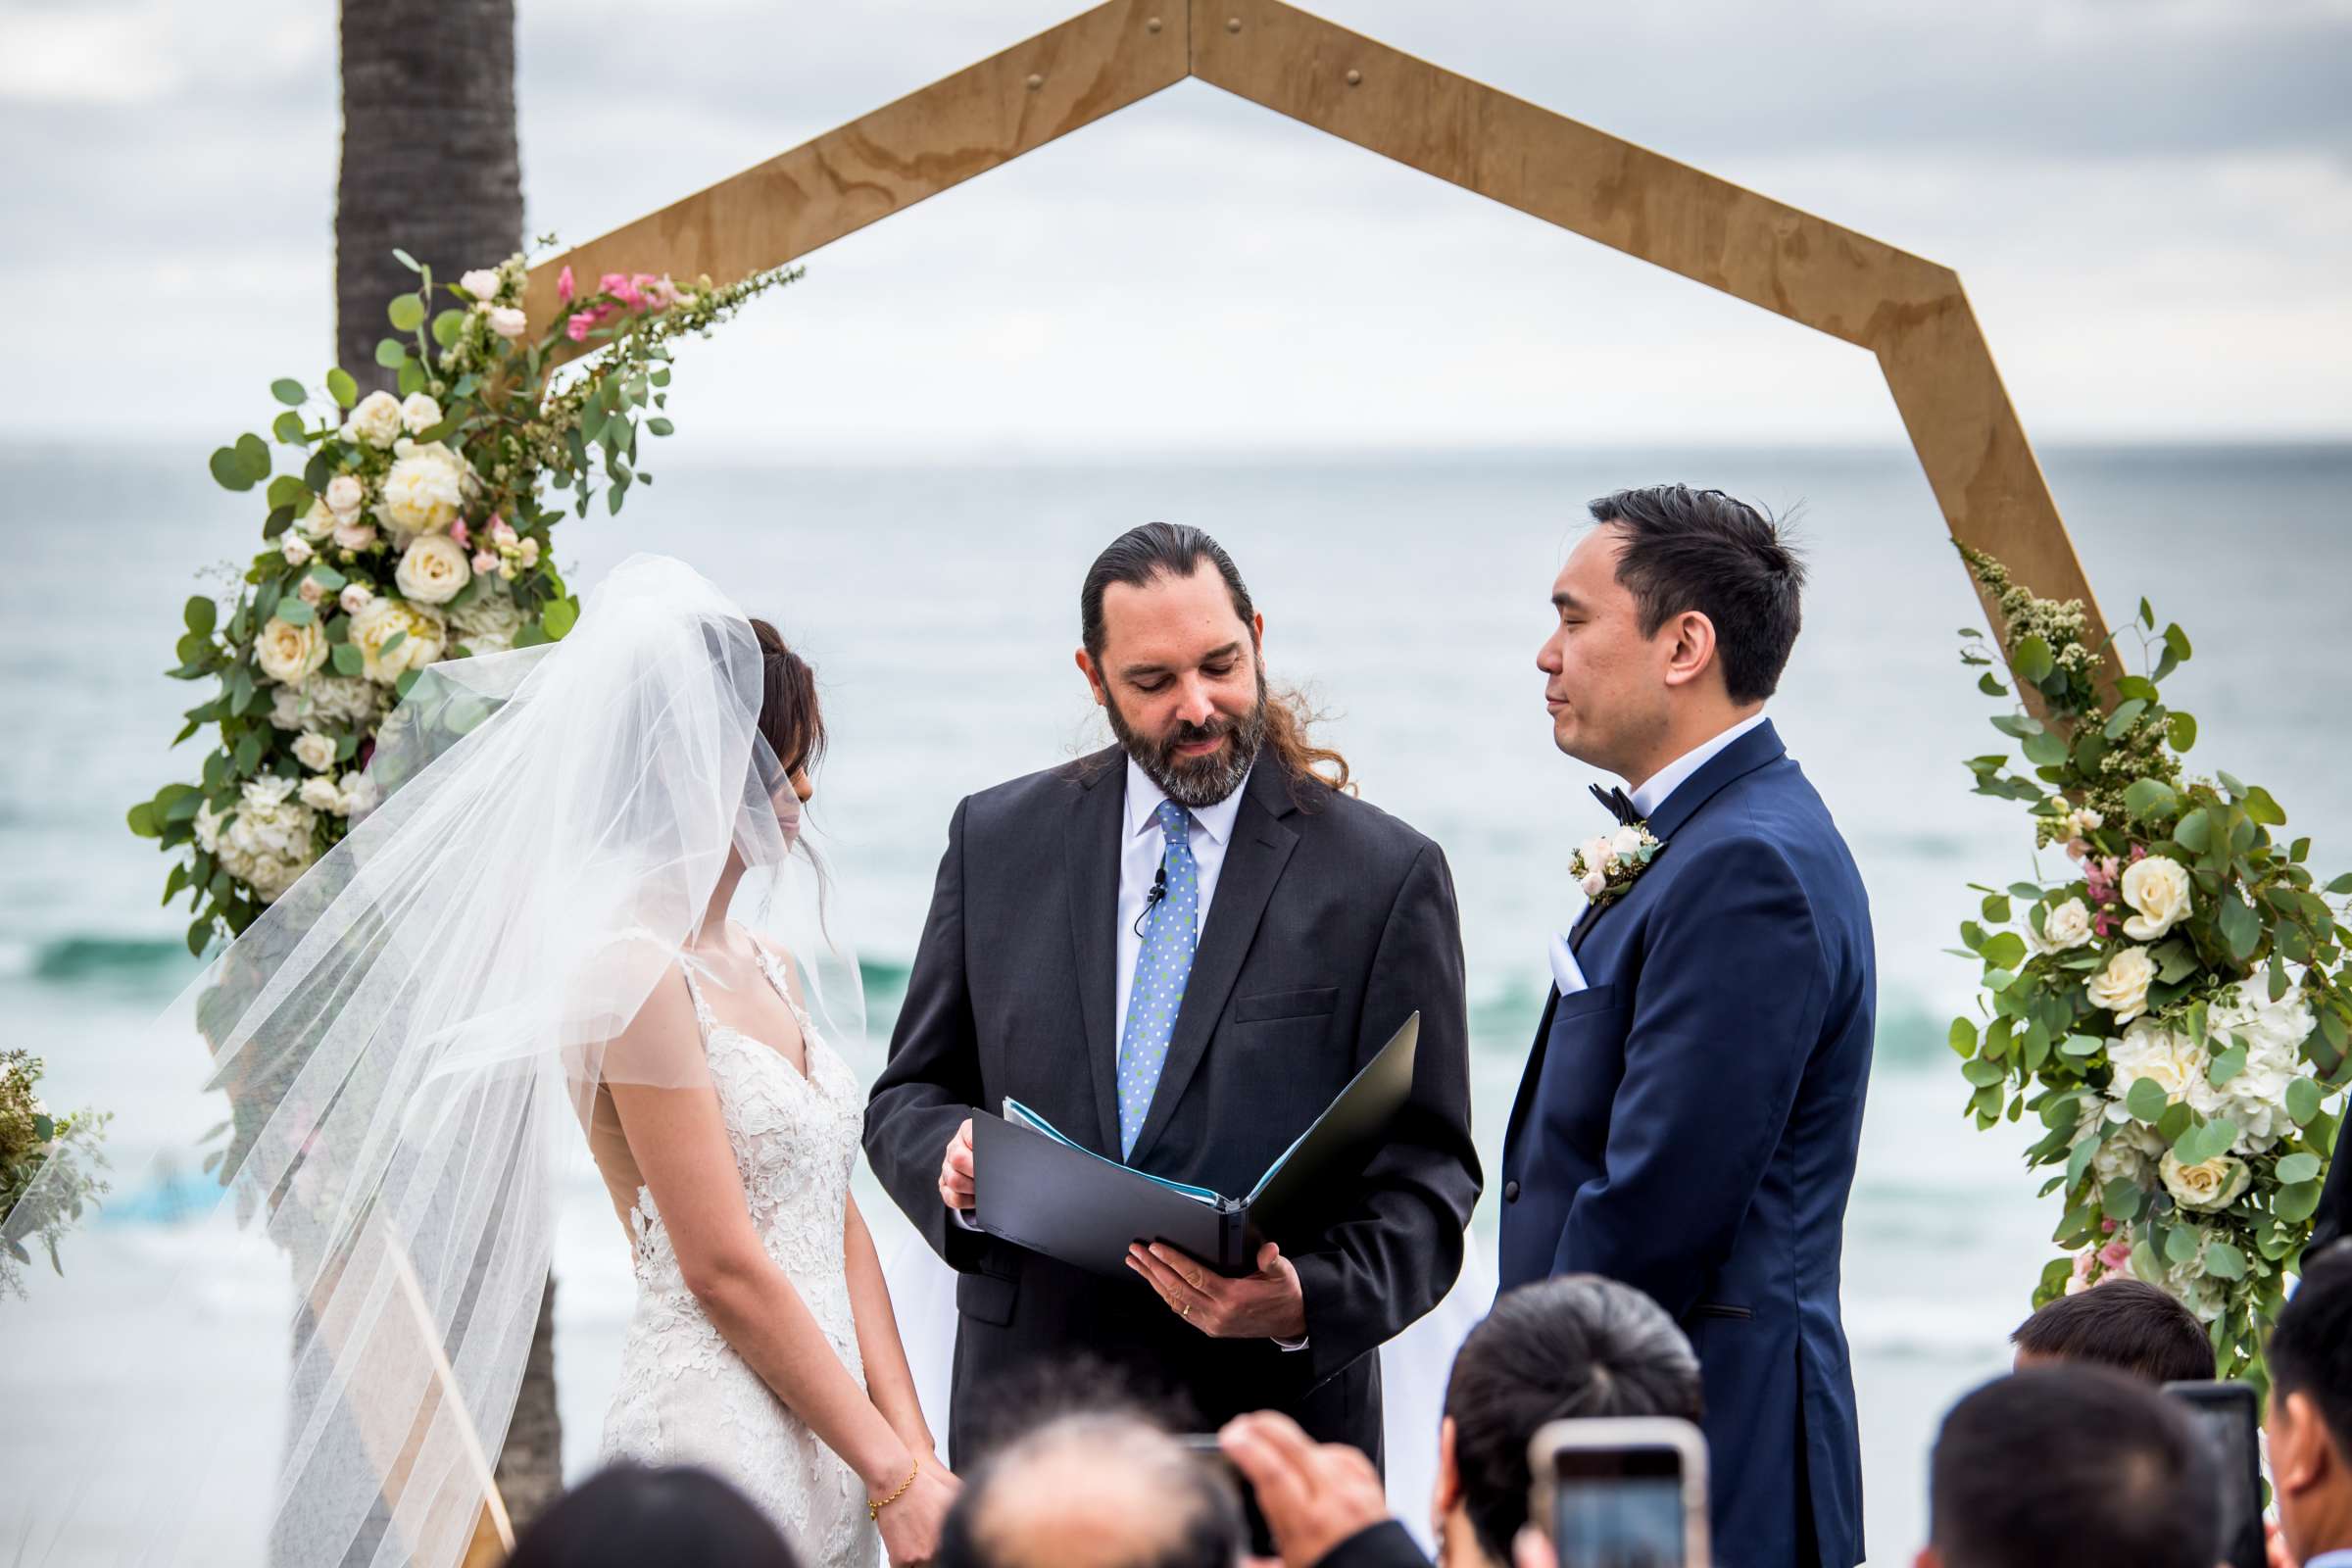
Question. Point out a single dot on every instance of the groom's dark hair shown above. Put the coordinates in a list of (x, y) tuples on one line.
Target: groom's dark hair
[(1701, 550), (1569, 1347), (1154, 549)]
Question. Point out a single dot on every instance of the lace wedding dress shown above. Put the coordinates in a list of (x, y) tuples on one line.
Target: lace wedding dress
[(685, 1397)]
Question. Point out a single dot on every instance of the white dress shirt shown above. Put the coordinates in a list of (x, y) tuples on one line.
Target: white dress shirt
[(1666, 780), (1565, 973), (1140, 854)]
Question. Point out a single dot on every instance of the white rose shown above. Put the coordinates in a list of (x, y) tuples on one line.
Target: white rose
[(2175, 1063), (2121, 988), (318, 522), (433, 570), (481, 283), (311, 591), (425, 489), (2216, 1184), (315, 751), (321, 794), (2064, 926), (375, 422), (1626, 843), (295, 548), (1596, 854), (420, 412), (354, 535), (289, 655), (507, 321), (419, 631), (2158, 888), (2129, 1148), (355, 597), (344, 495)]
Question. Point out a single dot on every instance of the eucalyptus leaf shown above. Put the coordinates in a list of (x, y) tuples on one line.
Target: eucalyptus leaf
[(2181, 1244), (2031, 658), (2147, 1099), (2303, 1167), (2195, 831), (2005, 949), (2303, 1098), (2297, 1202), (289, 391), (348, 659), (2181, 730), (1964, 1036), (342, 388), (2224, 1262), (405, 312), (2123, 717)]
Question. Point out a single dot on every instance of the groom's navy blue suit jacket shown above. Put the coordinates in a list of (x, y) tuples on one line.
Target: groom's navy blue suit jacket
[(1688, 1124)]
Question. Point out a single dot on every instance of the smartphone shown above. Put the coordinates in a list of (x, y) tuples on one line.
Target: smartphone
[(2230, 1417), (1621, 1493)]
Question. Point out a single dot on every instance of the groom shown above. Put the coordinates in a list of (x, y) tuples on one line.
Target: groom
[(1689, 1116), (1209, 858)]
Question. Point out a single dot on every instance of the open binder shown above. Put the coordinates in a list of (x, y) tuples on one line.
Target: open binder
[(1041, 1189)]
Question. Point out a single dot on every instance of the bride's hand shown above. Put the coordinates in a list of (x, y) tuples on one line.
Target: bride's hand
[(910, 1526)]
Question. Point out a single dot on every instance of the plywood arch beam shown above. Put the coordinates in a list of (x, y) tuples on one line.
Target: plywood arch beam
[(1911, 314)]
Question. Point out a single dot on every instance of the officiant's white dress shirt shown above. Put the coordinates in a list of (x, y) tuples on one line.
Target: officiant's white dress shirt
[(1139, 852)]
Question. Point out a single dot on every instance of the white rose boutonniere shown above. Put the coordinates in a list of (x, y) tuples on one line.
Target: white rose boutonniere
[(1605, 867), (2158, 889)]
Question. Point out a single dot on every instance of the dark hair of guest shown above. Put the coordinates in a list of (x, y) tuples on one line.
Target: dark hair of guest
[(1701, 550), (790, 719), (2075, 1464), (2127, 1324), (628, 1515), (2311, 1345), (1571, 1346), (1154, 549)]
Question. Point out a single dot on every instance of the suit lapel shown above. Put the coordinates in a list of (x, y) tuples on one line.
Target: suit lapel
[(1262, 845), (1091, 860)]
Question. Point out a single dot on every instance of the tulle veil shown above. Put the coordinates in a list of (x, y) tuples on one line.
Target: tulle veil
[(399, 1051)]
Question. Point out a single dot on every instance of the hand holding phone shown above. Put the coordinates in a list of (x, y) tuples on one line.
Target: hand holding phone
[(2229, 1417)]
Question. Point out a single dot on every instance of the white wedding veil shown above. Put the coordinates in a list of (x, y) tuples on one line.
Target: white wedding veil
[(402, 1048)]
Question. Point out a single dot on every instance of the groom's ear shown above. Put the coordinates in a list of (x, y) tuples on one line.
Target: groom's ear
[(1093, 678), (1692, 654)]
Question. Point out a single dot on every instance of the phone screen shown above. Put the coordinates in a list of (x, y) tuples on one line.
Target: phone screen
[(1618, 1507), (2226, 1416)]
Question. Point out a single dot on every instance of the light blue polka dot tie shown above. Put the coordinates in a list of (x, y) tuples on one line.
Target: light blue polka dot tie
[(1160, 970)]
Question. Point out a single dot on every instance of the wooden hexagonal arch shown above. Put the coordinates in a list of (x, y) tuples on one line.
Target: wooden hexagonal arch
[(1909, 311)]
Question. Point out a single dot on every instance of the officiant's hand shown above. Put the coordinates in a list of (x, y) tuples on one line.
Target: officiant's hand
[(1265, 1305), (957, 1187)]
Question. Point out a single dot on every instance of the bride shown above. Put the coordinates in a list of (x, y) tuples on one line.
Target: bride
[(583, 903)]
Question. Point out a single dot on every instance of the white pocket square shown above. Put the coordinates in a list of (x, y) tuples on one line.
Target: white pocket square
[(1564, 973)]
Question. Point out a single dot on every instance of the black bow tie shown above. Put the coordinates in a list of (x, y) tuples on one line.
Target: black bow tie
[(1620, 804)]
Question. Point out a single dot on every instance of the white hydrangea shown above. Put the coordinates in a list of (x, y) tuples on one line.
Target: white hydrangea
[(265, 843), (488, 624), (425, 489), (2131, 1147), (2274, 1032), (2175, 1063), (328, 701)]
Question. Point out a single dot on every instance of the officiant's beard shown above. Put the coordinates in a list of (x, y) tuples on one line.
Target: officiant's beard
[(1196, 782)]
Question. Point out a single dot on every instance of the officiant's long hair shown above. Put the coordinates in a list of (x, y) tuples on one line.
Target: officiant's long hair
[(1177, 550)]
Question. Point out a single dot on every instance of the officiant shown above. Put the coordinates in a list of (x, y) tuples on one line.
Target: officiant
[(1178, 951)]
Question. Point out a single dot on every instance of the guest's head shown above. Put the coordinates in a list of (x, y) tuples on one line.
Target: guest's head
[(2121, 1323), (2078, 1465), (2310, 1419), (1172, 649), (627, 1516), (1572, 1347), (1095, 1491), (1676, 617)]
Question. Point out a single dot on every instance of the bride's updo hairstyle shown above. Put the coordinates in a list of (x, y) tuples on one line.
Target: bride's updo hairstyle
[(790, 721)]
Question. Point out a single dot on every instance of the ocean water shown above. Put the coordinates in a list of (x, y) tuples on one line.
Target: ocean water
[(1406, 591)]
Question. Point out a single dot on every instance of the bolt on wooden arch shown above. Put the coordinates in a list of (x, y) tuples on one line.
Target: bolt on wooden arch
[(1909, 311)]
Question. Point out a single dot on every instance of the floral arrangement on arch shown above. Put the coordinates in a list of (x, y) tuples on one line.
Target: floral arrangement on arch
[(2171, 1005), (408, 529), (51, 1162)]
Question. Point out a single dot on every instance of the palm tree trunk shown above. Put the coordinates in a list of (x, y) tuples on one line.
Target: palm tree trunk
[(432, 164)]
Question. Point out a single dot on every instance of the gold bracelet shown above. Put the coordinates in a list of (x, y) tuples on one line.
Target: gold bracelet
[(873, 1509)]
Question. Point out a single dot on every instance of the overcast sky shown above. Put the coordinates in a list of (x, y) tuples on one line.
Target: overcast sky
[(2150, 204)]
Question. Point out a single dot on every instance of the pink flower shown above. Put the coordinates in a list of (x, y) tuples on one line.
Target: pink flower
[(501, 533), (2140, 852), (577, 329), (563, 288), (2103, 924), (2115, 1256), (2075, 848), (660, 293), (485, 561), (457, 531)]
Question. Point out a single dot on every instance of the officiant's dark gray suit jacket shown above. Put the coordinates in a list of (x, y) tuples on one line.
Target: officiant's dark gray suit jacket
[(1329, 926)]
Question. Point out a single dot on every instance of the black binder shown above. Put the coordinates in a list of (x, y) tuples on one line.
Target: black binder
[(1041, 1191)]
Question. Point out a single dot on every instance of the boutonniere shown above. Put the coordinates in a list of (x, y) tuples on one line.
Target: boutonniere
[(1605, 866)]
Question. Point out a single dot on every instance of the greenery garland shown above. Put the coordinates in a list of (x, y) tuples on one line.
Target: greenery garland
[(2173, 1006)]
